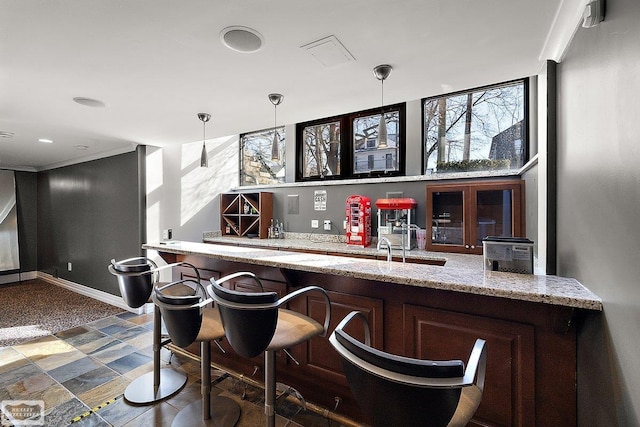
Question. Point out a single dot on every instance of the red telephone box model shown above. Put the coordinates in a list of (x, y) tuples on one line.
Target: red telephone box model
[(358, 210)]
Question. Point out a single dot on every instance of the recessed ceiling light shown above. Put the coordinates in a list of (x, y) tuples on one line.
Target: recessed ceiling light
[(89, 102), (6, 134), (45, 141), (241, 39), (81, 147)]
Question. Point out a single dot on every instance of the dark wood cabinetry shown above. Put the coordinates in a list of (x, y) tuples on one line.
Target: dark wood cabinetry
[(461, 215), (510, 372), (246, 214), (531, 346)]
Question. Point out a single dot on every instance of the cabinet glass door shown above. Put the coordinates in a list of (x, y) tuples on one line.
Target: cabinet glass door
[(447, 223), (494, 214), (461, 215)]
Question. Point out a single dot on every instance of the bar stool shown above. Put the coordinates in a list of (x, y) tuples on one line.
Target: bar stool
[(188, 320), (397, 391), (136, 279), (254, 322)]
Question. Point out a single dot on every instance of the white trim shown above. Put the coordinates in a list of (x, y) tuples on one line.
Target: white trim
[(530, 164), (565, 24), (91, 293), (95, 156)]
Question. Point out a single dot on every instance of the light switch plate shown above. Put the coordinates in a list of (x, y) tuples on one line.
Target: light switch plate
[(314, 223)]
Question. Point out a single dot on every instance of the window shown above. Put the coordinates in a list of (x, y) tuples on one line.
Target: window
[(370, 156), (257, 165), (321, 147), (347, 146), (481, 129)]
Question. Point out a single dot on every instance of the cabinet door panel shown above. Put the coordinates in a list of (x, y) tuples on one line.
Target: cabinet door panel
[(508, 398), (447, 219), (181, 273), (461, 215), (496, 211), (318, 355)]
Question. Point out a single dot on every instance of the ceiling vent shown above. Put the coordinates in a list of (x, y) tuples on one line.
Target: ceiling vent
[(329, 51)]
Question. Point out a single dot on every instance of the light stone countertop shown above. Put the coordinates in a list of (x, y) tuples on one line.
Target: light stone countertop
[(461, 274), (335, 245)]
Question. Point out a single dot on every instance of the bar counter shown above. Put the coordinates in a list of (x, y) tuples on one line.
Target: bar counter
[(457, 276), (530, 322)]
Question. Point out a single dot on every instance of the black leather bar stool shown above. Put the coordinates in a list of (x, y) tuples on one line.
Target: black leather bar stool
[(402, 391), (189, 319), (255, 322), (136, 279)]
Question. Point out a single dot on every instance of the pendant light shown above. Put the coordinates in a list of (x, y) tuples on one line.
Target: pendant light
[(204, 159), (382, 72), (276, 99)]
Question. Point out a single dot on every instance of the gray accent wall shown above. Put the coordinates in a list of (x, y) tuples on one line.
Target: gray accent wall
[(598, 207), (27, 204), (89, 213), (336, 199)]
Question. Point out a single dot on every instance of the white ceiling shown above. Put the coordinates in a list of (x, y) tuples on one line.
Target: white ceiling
[(157, 63)]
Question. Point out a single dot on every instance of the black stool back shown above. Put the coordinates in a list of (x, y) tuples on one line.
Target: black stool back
[(395, 390), (248, 331), (135, 289), (184, 321)]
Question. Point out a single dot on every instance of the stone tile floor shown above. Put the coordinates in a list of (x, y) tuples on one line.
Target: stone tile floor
[(80, 374)]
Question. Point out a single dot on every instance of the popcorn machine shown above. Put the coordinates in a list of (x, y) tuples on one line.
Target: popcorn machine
[(358, 213), (395, 216)]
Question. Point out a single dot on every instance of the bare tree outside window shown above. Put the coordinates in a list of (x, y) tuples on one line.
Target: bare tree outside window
[(256, 165), (476, 130), (321, 145)]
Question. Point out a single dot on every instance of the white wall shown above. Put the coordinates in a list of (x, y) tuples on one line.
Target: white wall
[(599, 207), (183, 196)]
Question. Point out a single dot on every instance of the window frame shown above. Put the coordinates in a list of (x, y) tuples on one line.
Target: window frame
[(269, 135), (526, 116), (347, 145), (300, 149), (402, 130)]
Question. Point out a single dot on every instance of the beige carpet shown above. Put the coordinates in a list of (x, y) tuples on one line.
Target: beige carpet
[(35, 308)]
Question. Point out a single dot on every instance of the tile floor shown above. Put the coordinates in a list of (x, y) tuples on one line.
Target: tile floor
[(81, 375)]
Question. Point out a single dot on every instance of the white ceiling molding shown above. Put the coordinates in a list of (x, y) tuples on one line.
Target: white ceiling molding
[(94, 156), (565, 24)]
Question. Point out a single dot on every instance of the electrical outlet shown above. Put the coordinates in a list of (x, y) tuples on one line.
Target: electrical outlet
[(167, 234), (314, 223), (69, 266), (327, 224), (344, 224)]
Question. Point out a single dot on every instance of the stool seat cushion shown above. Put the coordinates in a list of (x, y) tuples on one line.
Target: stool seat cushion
[(211, 328), (469, 401), (293, 328)]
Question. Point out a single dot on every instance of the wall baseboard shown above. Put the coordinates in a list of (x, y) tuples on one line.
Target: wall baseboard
[(92, 293)]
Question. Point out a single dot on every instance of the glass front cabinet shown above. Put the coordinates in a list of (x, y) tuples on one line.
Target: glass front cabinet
[(461, 215)]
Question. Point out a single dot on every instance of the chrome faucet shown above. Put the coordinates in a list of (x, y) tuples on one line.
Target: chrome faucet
[(384, 239)]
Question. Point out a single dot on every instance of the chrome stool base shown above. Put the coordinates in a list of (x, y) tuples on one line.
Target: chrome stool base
[(225, 412), (141, 391)]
